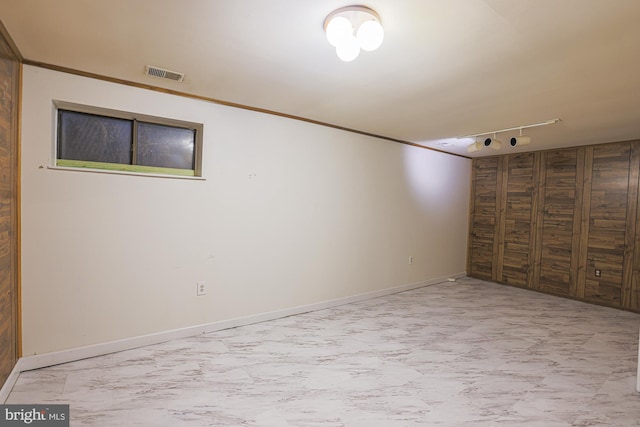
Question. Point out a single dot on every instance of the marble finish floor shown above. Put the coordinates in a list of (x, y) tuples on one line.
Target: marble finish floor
[(467, 353)]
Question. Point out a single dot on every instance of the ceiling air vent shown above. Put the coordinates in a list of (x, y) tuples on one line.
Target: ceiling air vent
[(150, 70)]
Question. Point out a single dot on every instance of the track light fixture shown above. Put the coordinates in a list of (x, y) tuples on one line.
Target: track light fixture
[(476, 146), (496, 144), (493, 143), (519, 140)]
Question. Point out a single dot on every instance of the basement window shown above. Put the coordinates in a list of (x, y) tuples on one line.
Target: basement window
[(100, 139)]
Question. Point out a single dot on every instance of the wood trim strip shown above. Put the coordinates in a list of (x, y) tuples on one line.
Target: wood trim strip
[(119, 167), (18, 188), (537, 216), (10, 43), (630, 227), (634, 302), (472, 213), (585, 214), (226, 103), (577, 270), (501, 214)]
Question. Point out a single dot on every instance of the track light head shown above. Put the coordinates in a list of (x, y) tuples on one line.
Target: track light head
[(492, 143), (476, 146), (519, 140)]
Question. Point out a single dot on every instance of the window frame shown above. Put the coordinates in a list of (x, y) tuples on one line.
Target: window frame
[(122, 168)]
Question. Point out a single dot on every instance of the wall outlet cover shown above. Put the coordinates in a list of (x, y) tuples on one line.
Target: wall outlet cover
[(201, 289)]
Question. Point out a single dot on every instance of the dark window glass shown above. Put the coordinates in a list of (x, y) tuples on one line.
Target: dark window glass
[(165, 146), (94, 138)]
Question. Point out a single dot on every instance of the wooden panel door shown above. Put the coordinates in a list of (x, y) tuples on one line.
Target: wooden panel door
[(548, 220), (517, 221), (607, 224), (9, 82), (561, 169), (483, 218)]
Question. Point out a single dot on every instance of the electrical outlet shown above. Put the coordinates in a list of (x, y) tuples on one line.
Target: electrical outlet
[(201, 289), (410, 260), (598, 272)]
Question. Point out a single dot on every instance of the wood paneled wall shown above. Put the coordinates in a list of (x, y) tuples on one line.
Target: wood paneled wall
[(551, 220), (9, 92)]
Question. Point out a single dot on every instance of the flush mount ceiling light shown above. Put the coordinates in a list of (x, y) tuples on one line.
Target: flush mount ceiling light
[(352, 28), (494, 143)]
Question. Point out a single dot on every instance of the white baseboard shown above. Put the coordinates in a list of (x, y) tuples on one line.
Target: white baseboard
[(64, 356), (10, 381)]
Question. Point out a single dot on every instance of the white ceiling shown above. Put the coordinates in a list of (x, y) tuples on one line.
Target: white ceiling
[(447, 68)]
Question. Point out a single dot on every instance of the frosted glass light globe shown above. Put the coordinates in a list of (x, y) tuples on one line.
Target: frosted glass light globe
[(348, 49), (370, 35), (338, 30)]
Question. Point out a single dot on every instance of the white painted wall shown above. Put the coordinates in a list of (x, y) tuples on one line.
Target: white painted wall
[(328, 214)]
